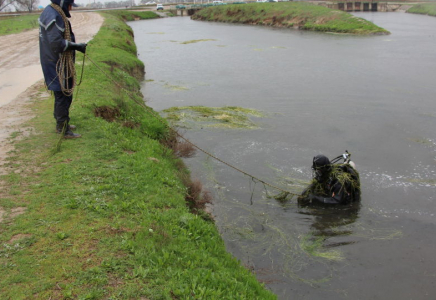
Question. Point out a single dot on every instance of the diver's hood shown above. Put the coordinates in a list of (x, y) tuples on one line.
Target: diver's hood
[(64, 5), (320, 161)]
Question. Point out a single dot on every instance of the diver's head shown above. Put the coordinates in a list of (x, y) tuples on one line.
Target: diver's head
[(321, 166)]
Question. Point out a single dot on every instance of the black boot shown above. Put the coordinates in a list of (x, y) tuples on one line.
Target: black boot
[(71, 135), (69, 127)]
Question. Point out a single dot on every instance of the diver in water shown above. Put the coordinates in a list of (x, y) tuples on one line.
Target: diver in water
[(332, 183)]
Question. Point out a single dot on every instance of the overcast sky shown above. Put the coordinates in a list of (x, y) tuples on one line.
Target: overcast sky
[(47, 2)]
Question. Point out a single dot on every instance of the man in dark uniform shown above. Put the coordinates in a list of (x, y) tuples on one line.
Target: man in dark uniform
[(57, 47), (332, 183)]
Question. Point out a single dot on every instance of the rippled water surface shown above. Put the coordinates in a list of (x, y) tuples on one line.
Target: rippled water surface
[(320, 93)]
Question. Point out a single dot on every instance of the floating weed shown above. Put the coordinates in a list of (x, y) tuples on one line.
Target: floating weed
[(314, 246), (281, 197), (278, 47), (423, 181), (385, 234), (149, 80), (218, 117), (423, 141), (292, 184), (175, 87), (258, 49), (222, 46), (197, 41), (372, 233)]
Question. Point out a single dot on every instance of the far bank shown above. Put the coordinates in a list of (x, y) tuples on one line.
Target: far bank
[(298, 15)]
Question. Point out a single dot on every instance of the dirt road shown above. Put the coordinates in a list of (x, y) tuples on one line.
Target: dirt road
[(21, 74)]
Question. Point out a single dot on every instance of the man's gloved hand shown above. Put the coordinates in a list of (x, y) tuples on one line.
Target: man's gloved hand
[(79, 47)]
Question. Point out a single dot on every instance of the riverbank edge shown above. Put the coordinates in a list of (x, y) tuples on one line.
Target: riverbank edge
[(297, 15), (428, 9), (111, 214)]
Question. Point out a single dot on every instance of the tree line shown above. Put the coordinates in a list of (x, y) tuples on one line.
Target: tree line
[(32, 5), (18, 5)]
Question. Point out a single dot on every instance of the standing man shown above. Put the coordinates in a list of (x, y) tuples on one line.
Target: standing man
[(57, 47)]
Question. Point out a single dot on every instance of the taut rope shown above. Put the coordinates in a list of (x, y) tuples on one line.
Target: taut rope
[(155, 115)]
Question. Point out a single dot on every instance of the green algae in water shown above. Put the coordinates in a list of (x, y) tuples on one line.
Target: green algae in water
[(175, 87), (197, 41), (423, 141), (314, 246), (423, 181), (217, 117), (290, 183)]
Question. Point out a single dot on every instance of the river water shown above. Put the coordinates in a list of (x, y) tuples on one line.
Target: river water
[(321, 93)]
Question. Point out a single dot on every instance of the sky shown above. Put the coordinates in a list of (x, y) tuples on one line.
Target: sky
[(44, 3)]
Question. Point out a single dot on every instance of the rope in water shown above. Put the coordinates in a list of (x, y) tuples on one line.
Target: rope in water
[(65, 68), (155, 115)]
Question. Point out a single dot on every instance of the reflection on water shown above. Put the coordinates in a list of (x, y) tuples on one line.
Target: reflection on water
[(320, 93), (331, 221)]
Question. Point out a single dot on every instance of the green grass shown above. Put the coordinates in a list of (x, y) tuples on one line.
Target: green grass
[(17, 24), (109, 215), (129, 15), (290, 14), (423, 9)]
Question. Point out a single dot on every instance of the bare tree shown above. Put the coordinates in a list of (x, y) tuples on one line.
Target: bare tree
[(5, 3), (26, 5)]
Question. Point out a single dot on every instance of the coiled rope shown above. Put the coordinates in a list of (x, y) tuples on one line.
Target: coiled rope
[(65, 68), (155, 115)]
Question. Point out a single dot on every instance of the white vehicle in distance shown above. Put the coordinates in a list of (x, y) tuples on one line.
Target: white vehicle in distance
[(150, 3), (216, 2), (159, 7), (261, 1)]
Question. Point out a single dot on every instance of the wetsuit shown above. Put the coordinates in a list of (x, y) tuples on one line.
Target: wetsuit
[(332, 188)]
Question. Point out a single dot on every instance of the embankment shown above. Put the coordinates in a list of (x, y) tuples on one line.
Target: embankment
[(423, 9), (114, 214), (299, 15)]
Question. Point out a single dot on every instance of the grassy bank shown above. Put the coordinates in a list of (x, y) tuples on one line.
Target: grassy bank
[(113, 215), (290, 14), (17, 24), (423, 9)]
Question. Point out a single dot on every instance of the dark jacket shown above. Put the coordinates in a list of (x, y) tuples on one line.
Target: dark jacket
[(334, 189), (52, 42)]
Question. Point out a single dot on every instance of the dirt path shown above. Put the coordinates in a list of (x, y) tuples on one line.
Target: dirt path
[(21, 74)]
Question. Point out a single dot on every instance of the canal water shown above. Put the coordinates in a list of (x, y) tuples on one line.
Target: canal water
[(320, 93)]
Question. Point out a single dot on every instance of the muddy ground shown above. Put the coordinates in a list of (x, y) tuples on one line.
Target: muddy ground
[(21, 76)]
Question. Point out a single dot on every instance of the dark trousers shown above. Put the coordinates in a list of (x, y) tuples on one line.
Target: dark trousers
[(61, 112)]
